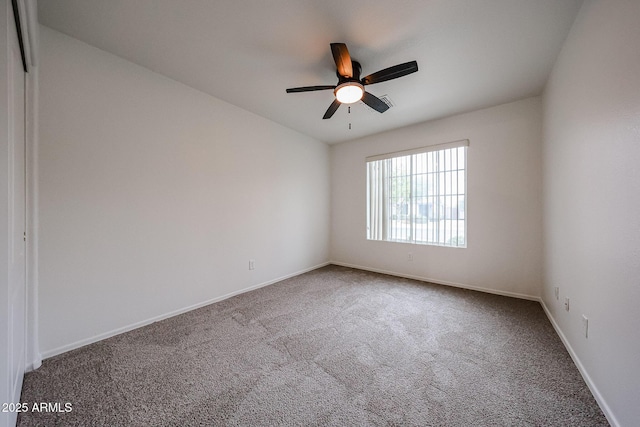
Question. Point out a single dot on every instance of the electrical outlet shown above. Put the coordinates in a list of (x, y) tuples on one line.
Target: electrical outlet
[(585, 326), (252, 264), (566, 304), (556, 291), (410, 256)]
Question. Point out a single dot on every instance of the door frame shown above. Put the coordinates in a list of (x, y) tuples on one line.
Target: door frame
[(30, 36), (20, 16), (27, 23)]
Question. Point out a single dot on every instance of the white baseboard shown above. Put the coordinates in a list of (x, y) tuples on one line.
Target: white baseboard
[(592, 387), (440, 282), (585, 375), (100, 337), (32, 366)]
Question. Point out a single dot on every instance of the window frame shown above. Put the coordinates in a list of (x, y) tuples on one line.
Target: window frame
[(383, 233)]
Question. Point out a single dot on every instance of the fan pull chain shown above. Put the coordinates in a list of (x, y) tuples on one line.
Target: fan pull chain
[(349, 126)]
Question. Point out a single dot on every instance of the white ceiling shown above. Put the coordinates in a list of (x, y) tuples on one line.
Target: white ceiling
[(471, 53)]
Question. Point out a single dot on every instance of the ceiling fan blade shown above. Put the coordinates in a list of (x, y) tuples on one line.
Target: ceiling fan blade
[(343, 59), (332, 109), (374, 102), (391, 73), (309, 88)]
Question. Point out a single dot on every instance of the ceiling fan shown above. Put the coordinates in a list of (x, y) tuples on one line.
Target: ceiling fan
[(350, 87)]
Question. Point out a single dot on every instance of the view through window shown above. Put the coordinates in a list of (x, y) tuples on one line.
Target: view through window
[(419, 196)]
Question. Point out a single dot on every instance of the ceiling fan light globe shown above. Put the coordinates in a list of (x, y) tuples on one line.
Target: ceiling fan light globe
[(349, 92)]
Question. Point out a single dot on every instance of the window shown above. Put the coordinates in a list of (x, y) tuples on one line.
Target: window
[(419, 196)]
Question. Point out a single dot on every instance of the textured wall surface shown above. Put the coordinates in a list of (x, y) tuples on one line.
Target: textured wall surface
[(154, 196), (592, 199)]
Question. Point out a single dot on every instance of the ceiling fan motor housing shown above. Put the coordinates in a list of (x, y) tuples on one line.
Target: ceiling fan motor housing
[(357, 69), (349, 89)]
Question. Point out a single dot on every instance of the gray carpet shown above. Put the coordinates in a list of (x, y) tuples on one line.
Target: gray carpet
[(335, 346)]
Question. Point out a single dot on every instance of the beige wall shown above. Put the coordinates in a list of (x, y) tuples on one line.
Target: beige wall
[(504, 245), (592, 201), (154, 196)]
